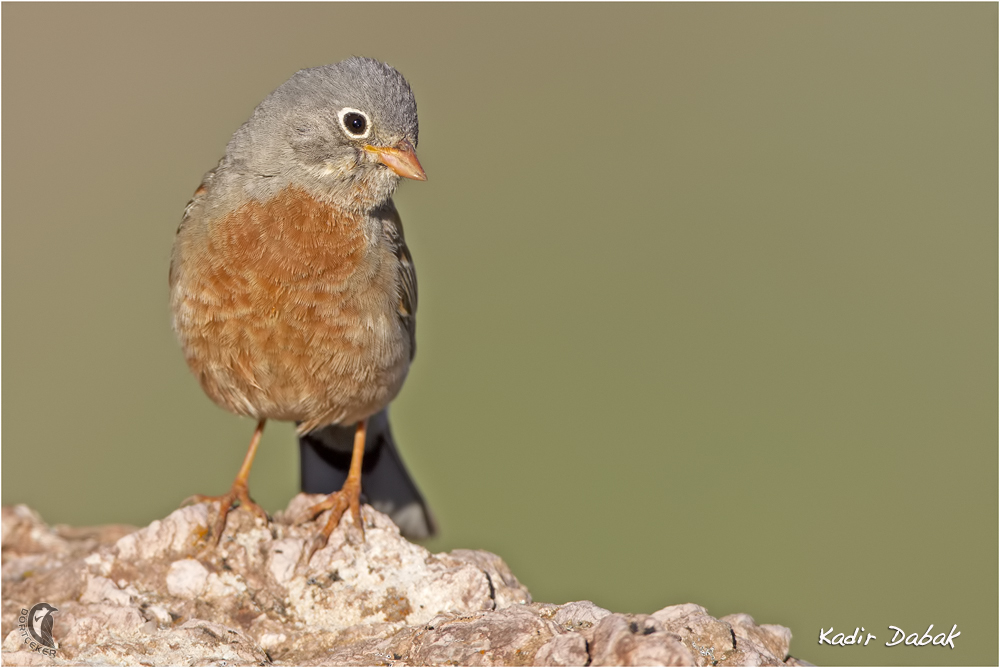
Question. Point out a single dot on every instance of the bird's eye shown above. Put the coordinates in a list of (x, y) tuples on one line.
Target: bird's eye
[(355, 123)]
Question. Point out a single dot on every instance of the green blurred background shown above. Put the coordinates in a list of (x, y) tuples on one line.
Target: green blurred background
[(708, 293)]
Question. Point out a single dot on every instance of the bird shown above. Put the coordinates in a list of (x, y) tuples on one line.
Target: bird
[(41, 624), (293, 293)]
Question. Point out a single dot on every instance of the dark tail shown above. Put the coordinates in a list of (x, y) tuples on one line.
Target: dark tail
[(385, 482)]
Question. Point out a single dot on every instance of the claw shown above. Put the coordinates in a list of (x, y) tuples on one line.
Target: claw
[(348, 498), (238, 495)]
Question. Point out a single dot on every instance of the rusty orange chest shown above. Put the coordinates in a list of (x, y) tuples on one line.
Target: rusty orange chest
[(289, 309)]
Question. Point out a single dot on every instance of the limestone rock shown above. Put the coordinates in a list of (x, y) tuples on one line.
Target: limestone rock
[(165, 595)]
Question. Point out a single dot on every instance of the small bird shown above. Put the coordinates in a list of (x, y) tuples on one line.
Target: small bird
[(293, 292), (41, 624)]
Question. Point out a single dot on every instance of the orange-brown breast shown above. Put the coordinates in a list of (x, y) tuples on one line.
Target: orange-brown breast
[(287, 309)]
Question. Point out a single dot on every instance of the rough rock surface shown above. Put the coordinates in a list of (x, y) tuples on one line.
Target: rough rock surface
[(163, 595)]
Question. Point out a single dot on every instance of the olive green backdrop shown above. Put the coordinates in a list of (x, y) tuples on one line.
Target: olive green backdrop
[(708, 293)]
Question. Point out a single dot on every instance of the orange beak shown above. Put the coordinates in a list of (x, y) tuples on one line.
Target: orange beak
[(401, 159)]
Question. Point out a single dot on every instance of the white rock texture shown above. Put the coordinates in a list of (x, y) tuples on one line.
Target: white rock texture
[(164, 595)]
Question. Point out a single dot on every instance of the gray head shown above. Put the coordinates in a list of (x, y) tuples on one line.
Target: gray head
[(345, 132)]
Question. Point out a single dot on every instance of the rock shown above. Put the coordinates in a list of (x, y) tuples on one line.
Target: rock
[(165, 595)]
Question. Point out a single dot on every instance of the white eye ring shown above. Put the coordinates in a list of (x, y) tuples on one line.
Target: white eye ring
[(349, 131)]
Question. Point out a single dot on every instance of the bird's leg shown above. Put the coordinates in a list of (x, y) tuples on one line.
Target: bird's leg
[(239, 492), (349, 495)]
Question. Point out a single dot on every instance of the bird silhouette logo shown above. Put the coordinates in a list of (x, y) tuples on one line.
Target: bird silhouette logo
[(40, 624)]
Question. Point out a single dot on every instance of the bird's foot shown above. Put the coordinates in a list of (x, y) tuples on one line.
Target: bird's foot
[(349, 497), (238, 495)]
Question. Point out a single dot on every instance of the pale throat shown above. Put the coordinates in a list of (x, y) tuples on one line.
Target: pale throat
[(353, 189)]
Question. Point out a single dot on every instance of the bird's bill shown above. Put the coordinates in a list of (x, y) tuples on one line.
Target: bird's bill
[(401, 159)]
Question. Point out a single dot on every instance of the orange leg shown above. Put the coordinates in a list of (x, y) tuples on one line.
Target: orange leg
[(239, 491), (349, 495)]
